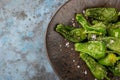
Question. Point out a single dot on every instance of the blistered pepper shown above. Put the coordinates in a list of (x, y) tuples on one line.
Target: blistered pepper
[(102, 14), (114, 30), (96, 49), (109, 60), (71, 33), (96, 69), (112, 43), (98, 28), (115, 69)]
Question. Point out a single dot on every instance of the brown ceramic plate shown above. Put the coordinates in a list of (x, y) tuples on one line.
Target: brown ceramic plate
[(64, 59)]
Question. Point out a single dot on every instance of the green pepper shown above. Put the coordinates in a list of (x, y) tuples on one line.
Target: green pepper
[(109, 60), (115, 69), (95, 21), (112, 43), (114, 30), (98, 28), (91, 36), (96, 69), (71, 33), (102, 14), (96, 49)]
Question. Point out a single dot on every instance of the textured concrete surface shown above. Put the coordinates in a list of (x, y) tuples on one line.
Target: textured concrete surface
[(23, 24)]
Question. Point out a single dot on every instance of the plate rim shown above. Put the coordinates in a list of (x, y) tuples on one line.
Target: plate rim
[(45, 39)]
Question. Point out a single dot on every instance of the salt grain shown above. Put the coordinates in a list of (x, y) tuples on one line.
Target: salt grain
[(78, 66), (93, 36), (60, 45), (67, 44), (73, 19), (85, 72), (111, 41), (95, 79), (73, 60), (83, 11), (73, 24)]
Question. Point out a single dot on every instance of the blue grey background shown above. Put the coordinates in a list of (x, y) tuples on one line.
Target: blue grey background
[(23, 25)]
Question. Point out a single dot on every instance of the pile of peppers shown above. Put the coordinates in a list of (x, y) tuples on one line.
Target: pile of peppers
[(97, 40)]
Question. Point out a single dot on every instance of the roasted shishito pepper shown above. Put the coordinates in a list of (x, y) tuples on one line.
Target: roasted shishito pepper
[(98, 28), (102, 14), (112, 43), (97, 40), (96, 69), (115, 69), (96, 49), (109, 60), (71, 33), (114, 30)]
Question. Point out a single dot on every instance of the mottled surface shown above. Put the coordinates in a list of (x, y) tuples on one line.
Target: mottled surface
[(23, 25)]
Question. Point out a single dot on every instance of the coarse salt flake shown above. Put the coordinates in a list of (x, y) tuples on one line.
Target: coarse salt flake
[(93, 36), (73, 24), (95, 79), (67, 44), (85, 72), (73, 60), (83, 11), (73, 19), (78, 66), (111, 41)]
